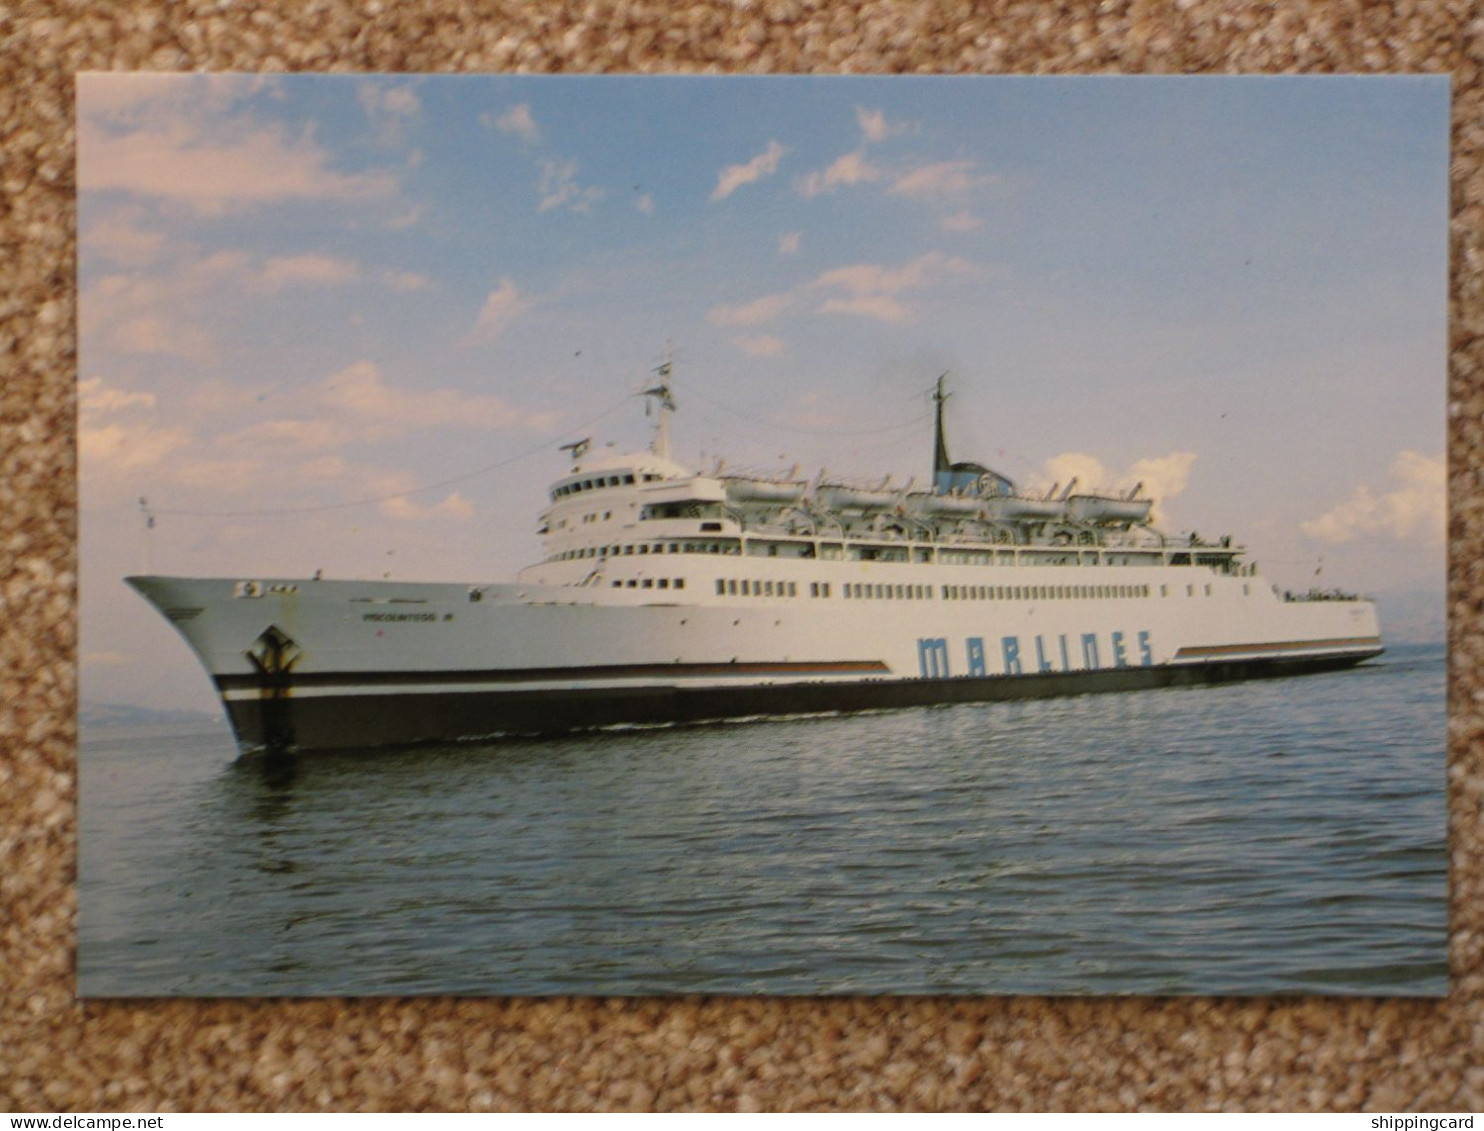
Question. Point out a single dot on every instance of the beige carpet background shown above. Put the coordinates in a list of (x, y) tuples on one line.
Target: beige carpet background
[(57, 1055)]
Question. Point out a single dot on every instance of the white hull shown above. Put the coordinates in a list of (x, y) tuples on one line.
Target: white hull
[(552, 646)]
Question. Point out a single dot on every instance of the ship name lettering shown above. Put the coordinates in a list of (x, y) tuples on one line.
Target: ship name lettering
[(975, 648), (1090, 651), (1042, 663), (1016, 661), (1010, 647), (932, 657), (418, 618)]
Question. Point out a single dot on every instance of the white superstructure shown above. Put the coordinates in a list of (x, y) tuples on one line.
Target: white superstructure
[(669, 595)]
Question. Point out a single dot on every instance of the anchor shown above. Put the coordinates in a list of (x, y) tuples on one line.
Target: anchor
[(273, 655)]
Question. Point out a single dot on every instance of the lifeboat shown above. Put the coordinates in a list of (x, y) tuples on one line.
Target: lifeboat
[(1020, 507), (780, 491), (1100, 508), (957, 506), (841, 496)]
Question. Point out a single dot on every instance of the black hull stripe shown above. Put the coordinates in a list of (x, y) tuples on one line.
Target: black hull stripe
[(1277, 647), (804, 668), (392, 719)]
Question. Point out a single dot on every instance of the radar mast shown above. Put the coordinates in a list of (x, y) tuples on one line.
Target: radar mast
[(664, 402)]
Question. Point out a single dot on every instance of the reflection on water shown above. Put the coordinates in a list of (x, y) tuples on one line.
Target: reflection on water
[(1272, 837)]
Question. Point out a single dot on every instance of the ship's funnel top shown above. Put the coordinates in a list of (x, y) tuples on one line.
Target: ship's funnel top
[(960, 478)]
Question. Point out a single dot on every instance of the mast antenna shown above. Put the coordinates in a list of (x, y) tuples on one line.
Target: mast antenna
[(664, 404), (942, 465), (149, 525)]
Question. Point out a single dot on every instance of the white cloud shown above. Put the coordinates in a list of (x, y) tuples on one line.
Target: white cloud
[(753, 313), (517, 120), (733, 177), (871, 290), (358, 405), (215, 170), (129, 446), (874, 126), (118, 429), (118, 237), (1162, 477), (401, 100), (304, 434), (788, 243), (964, 221), (1416, 506), (146, 334), (324, 467), (559, 187), (877, 279), (406, 281), (141, 313), (502, 307), (454, 506), (388, 107), (408, 219), (851, 169), (306, 270), (881, 307), (94, 398), (759, 345), (867, 290), (944, 178), (360, 392), (169, 308)]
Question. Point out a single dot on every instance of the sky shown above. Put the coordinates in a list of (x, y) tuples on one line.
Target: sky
[(346, 322)]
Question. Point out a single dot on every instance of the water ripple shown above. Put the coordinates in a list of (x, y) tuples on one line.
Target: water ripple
[(1255, 838)]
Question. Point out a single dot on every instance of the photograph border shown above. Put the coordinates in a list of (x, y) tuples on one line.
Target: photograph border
[(748, 1054)]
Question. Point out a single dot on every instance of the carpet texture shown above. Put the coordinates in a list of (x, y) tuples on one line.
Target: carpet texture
[(1017, 1053)]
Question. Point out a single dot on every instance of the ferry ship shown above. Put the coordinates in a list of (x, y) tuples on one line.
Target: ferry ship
[(672, 596)]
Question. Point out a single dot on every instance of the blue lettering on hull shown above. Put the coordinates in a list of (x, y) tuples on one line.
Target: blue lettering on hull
[(1042, 663), (1010, 648), (1090, 651), (933, 662), (932, 657), (975, 646)]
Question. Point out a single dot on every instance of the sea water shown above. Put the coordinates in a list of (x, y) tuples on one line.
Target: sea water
[(1283, 836)]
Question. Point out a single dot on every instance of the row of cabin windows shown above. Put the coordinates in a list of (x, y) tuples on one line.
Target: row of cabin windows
[(863, 592), (622, 479), (1042, 592), (860, 591), (587, 518), (746, 587), (651, 583), (730, 547), (648, 548)]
